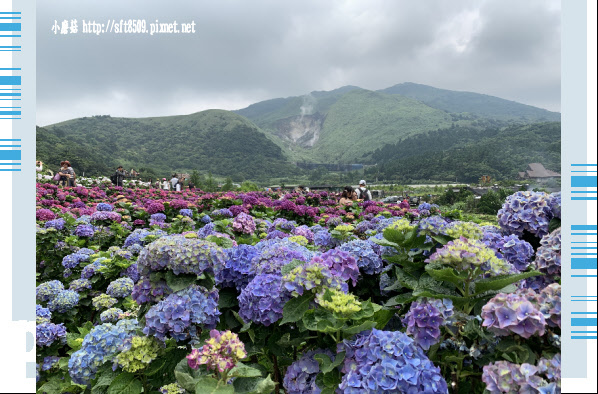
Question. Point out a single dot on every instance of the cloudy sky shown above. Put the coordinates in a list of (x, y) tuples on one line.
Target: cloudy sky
[(247, 51)]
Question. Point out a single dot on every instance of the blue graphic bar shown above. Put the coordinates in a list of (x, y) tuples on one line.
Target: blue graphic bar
[(584, 165), (583, 181), (584, 276), (588, 191), (584, 264), (10, 164), (10, 112), (10, 80), (10, 154), (583, 198), (584, 322), (584, 338), (10, 27), (583, 227), (584, 313)]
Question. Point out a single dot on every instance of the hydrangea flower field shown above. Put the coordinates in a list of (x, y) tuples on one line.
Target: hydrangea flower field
[(192, 292)]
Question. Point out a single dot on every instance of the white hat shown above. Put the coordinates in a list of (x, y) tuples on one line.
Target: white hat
[(362, 182)]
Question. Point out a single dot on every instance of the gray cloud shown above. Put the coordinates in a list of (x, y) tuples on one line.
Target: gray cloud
[(244, 52)]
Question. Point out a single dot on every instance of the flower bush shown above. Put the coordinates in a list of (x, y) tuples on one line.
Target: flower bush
[(253, 292)]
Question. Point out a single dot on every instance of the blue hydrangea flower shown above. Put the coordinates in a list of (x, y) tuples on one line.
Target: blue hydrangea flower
[(64, 301), (511, 248), (435, 225), (186, 212), (367, 260), (341, 265), (49, 362), (555, 204), (104, 207), (84, 230), (238, 269), (206, 219), (208, 229), (300, 377), (58, 224), (110, 315), (42, 315), (324, 240), (48, 290), (158, 217), (93, 268), (79, 285), (181, 255), (275, 254), (387, 361), (263, 299), (72, 260), (120, 288), (99, 346), (47, 333), (146, 291), (131, 272), (224, 212), (180, 313)]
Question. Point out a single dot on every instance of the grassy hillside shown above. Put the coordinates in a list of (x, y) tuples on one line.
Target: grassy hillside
[(363, 120), (214, 141), (466, 154), (473, 103)]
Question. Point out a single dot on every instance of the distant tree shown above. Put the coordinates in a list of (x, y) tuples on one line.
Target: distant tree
[(197, 179), (248, 186), (210, 185), (228, 185)]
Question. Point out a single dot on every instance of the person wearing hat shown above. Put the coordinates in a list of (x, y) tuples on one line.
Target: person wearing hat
[(363, 193), (165, 184), (67, 174)]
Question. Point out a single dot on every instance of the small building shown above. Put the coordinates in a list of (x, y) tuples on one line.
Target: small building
[(536, 171)]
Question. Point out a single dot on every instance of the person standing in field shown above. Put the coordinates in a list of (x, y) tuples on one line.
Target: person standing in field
[(165, 184), (362, 192), (120, 176)]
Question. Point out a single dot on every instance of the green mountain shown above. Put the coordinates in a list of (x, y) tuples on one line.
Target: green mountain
[(216, 141), (344, 124), (477, 104), (466, 153)]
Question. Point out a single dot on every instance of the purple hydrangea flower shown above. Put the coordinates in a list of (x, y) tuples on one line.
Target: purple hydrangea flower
[(511, 248), (341, 264), (526, 211), (146, 291), (387, 361), (363, 253), (84, 230), (244, 223), (44, 215), (516, 313), (179, 314), (131, 272), (550, 304), (47, 333), (238, 269), (263, 299), (424, 319), (300, 377), (58, 224)]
